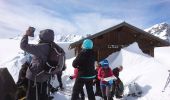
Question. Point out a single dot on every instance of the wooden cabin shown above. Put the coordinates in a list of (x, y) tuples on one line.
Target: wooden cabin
[(119, 36)]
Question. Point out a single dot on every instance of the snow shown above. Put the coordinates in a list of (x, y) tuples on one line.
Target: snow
[(162, 54), (150, 73), (161, 30)]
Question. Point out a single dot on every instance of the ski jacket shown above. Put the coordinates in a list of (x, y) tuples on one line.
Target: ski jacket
[(40, 54), (116, 72), (75, 73), (85, 63), (97, 69), (104, 73)]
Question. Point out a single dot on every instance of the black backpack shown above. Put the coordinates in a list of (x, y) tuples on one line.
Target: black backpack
[(56, 59)]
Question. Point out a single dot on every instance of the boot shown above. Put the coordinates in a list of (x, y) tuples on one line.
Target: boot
[(118, 96), (105, 98), (54, 90), (82, 98)]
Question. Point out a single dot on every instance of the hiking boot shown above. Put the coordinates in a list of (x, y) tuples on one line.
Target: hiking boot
[(50, 97), (61, 88), (118, 96), (82, 98), (54, 90)]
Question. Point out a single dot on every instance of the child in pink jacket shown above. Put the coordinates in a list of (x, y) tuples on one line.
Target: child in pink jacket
[(104, 72)]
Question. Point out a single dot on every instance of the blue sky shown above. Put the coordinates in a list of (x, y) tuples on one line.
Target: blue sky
[(79, 16)]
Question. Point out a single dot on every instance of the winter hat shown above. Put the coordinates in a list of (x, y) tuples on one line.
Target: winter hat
[(46, 35), (104, 63), (87, 44)]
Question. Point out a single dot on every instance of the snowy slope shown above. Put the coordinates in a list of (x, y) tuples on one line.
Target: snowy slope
[(147, 71), (162, 55)]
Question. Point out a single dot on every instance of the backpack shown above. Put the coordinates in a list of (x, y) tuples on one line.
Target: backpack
[(118, 88), (56, 59)]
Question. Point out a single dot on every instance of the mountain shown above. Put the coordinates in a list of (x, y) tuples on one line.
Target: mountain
[(68, 38), (58, 37), (161, 30)]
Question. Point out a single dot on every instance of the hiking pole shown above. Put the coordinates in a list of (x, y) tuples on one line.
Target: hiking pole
[(167, 82)]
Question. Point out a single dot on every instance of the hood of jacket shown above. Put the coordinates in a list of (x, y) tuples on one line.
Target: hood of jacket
[(46, 35)]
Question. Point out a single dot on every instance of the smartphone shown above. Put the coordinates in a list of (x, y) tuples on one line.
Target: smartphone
[(32, 30)]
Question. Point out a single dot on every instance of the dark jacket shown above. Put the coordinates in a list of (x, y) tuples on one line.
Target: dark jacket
[(116, 72), (85, 63), (40, 53)]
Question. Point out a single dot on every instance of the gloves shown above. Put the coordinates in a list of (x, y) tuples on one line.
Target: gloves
[(110, 82), (71, 77)]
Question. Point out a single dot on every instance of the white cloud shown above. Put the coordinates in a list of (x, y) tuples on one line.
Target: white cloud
[(17, 19), (41, 18), (91, 23), (73, 16)]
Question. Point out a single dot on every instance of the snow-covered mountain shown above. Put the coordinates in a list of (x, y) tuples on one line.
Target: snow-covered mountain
[(58, 37), (161, 30), (68, 38)]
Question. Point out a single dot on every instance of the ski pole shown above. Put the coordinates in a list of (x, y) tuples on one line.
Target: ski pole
[(167, 82)]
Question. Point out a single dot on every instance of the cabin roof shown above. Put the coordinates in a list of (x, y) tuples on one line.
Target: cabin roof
[(72, 45)]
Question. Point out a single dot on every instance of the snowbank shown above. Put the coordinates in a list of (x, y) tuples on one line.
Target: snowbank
[(150, 74)]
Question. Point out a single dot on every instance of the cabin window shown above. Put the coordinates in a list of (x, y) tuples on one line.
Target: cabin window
[(116, 46)]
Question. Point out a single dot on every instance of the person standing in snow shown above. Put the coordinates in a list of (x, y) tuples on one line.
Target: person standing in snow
[(97, 81), (37, 77), (118, 87), (59, 77), (105, 86), (82, 95), (84, 62), (22, 82)]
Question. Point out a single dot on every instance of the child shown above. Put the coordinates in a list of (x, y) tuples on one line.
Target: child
[(118, 87), (104, 72), (82, 96)]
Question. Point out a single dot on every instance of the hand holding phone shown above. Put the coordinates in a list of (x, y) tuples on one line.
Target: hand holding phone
[(30, 31)]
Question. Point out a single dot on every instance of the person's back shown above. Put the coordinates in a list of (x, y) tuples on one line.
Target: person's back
[(40, 53), (35, 73), (85, 62), (86, 70)]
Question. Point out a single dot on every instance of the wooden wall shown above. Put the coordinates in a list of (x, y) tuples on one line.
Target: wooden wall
[(114, 40)]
